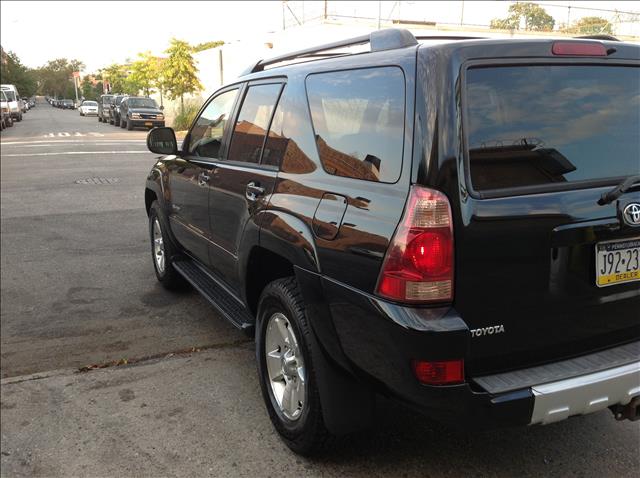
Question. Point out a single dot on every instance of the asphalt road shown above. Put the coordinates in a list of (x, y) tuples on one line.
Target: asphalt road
[(77, 288), (77, 281)]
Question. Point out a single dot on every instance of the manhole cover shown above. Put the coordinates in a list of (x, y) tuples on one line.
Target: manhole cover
[(98, 181)]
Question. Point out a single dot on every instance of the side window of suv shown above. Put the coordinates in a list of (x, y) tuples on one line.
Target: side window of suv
[(253, 122), (206, 135), (358, 118)]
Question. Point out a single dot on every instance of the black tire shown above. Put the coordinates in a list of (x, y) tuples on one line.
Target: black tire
[(99, 119), (9, 121), (306, 435), (111, 120), (19, 118), (116, 122), (123, 123), (169, 277), (129, 126)]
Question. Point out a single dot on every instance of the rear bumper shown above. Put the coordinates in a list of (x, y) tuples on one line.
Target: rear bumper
[(376, 341)]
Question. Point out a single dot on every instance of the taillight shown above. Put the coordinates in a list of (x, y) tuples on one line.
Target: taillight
[(447, 372), (572, 48), (418, 267)]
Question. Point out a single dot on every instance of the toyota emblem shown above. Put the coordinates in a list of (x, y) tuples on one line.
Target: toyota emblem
[(631, 214)]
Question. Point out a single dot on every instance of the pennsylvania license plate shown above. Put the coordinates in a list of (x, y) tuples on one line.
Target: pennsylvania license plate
[(148, 123), (617, 262)]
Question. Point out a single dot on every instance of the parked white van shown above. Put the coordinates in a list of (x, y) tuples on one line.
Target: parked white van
[(14, 101)]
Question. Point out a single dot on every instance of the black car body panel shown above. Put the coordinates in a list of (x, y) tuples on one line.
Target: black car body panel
[(524, 261), (148, 116)]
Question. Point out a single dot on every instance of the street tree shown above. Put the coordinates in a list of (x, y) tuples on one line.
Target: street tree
[(590, 26), (180, 72), (534, 17), (13, 72), (55, 78)]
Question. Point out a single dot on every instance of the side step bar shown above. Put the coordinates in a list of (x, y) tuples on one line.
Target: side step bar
[(218, 296)]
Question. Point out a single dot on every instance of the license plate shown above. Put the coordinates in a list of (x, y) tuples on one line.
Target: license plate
[(148, 123), (617, 262)]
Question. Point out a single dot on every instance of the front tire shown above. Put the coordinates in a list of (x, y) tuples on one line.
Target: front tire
[(116, 121), (129, 126), (163, 250), (285, 368), (123, 124)]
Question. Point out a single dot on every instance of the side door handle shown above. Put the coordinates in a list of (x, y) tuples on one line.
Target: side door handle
[(253, 191), (203, 179)]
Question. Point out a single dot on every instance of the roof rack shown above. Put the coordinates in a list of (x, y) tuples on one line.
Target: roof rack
[(388, 39), (448, 37), (598, 37)]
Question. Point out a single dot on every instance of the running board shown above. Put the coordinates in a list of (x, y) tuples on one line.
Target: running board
[(222, 300)]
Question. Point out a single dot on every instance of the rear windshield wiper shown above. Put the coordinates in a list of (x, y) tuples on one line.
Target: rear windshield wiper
[(619, 190)]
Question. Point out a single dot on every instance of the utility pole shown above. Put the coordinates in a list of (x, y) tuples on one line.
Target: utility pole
[(462, 14), (379, 13)]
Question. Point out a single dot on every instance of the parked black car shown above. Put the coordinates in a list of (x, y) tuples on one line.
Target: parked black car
[(114, 106), (139, 111), (67, 105), (104, 104), (455, 225)]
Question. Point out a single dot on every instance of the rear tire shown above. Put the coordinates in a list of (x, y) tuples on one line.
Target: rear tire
[(282, 325), (123, 124), (163, 250), (129, 126)]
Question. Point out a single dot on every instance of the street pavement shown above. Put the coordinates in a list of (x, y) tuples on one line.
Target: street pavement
[(78, 290)]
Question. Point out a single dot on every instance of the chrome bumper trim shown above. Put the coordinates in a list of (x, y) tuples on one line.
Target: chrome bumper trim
[(555, 401)]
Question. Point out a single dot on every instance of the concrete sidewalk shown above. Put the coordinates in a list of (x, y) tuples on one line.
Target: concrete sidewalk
[(202, 415)]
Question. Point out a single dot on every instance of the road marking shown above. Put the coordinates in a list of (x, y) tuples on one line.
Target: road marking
[(60, 141), (73, 153), (65, 134)]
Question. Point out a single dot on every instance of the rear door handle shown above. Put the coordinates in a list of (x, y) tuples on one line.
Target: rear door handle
[(253, 191)]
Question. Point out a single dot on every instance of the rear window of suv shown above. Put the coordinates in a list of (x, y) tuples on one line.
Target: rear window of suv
[(543, 125)]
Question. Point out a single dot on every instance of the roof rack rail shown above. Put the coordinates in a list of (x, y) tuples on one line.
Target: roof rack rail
[(447, 37), (598, 37), (388, 39)]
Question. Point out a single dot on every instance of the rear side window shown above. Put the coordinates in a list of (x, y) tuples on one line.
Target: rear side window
[(544, 125), (253, 122), (358, 117)]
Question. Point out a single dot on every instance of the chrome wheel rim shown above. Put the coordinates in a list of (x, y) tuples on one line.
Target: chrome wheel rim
[(285, 367), (158, 246)]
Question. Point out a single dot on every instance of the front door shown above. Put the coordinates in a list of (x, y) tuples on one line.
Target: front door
[(190, 176)]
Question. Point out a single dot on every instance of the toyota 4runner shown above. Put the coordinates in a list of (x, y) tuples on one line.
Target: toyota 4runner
[(451, 222)]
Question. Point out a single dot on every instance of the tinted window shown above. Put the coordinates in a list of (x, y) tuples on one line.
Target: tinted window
[(358, 117), (206, 136), (89, 103), (253, 121), (141, 103), (543, 125), (11, 96)]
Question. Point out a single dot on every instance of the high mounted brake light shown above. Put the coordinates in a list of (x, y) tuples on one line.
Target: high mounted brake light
[(573, 48), (418, 266)]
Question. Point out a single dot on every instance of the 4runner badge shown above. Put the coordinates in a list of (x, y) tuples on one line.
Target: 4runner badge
[(494, 329)]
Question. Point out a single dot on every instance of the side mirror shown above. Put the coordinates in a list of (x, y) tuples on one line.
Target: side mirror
[(162, 141), (161, 107)]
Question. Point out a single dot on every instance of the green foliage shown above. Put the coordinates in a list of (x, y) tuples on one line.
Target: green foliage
[(180, 72), (90, 91), (55, 78), (185, 115), (207, 45), (15, 73), (590, 26), (534, 16), (117, 76)]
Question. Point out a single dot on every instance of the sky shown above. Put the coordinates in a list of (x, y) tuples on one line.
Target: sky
[(101, 33)]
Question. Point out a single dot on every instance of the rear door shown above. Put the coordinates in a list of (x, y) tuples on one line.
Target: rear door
[(543, 270), (242, 183)]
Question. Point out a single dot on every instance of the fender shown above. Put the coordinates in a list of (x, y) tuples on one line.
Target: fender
[(289, 237), (347, 404)]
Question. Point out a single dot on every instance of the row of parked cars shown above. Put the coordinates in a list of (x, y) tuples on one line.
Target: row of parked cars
[(125, 111), (12, 106), (64, 104)]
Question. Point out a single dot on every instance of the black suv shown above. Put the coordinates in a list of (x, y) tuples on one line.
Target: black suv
[(114, 109), (104, 102), (140, 111), (453, 224)]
